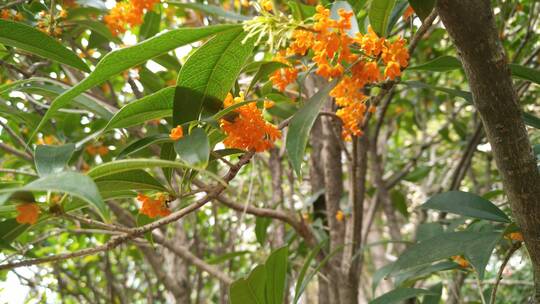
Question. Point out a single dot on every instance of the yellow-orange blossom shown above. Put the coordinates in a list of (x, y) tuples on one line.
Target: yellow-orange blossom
[(333, 50)]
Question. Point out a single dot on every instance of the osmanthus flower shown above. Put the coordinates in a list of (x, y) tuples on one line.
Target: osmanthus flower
[(515, 236), (127, 13), (28, 213), (356, 60), (176, 133), (248, 130), (461, 261), (97, 149), (8, 14), (281, 78), (153, 207)]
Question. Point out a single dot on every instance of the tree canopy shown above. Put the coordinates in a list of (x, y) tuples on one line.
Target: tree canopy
[(303, 151)]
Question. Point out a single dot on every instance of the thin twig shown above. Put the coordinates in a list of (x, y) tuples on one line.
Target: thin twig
[(511, 251)]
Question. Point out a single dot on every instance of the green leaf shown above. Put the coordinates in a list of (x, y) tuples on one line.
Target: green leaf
[(194, 148), (76, 184), (265, 69), (251, 289), (418, 174), (209, 74), (276, 275), (141, 163), (422, 8), (301, 124), (122, 59), (401, 294), (167, 153), (439, 64), (261, 229), (144, 220), (436, 298), (300, 283), (83, 101), (423, 271), (27, 38), (379, 15), (475, 246), (526, 73), (153, 106), (141, 144), (52, 159), (531, 120), (150, 26), (467, 204), (10, 229), (129, 180), (99, 28), (210, 10)]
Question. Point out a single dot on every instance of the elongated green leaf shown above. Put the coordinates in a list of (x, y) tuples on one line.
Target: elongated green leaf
[(423, 271), (83, 101), (422, 8), (300, 280), (210, 10), (150, 26), (439, 64), (251, 289), (401, 294), (379, 15), (27, 38), (526, 73), (129, 180), (475, 246), (76, 184), (142, 143), (167, 153), (209, 74), (141, 163), (276, 275), (10, 230), (467, 204), (436, 298), (150, 107), (122, 59), (194, 148), (52, 159), (261, 229), (531, 120), (97, 27), (301, 125)]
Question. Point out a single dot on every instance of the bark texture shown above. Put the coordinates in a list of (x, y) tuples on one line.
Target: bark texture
[(471, 26)]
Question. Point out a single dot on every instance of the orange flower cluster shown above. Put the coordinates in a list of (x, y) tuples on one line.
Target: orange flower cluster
[(408, 12), (176, 133), (461, 261), (281, 78), (49, 24), (97, 149), (248, 130), (334, 50), (515, 236), (28, 213), (153, 207), (127, 13), (48, 140), (8, 14)]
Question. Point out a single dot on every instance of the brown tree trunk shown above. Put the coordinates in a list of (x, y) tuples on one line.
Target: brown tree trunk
[(471, 25)]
